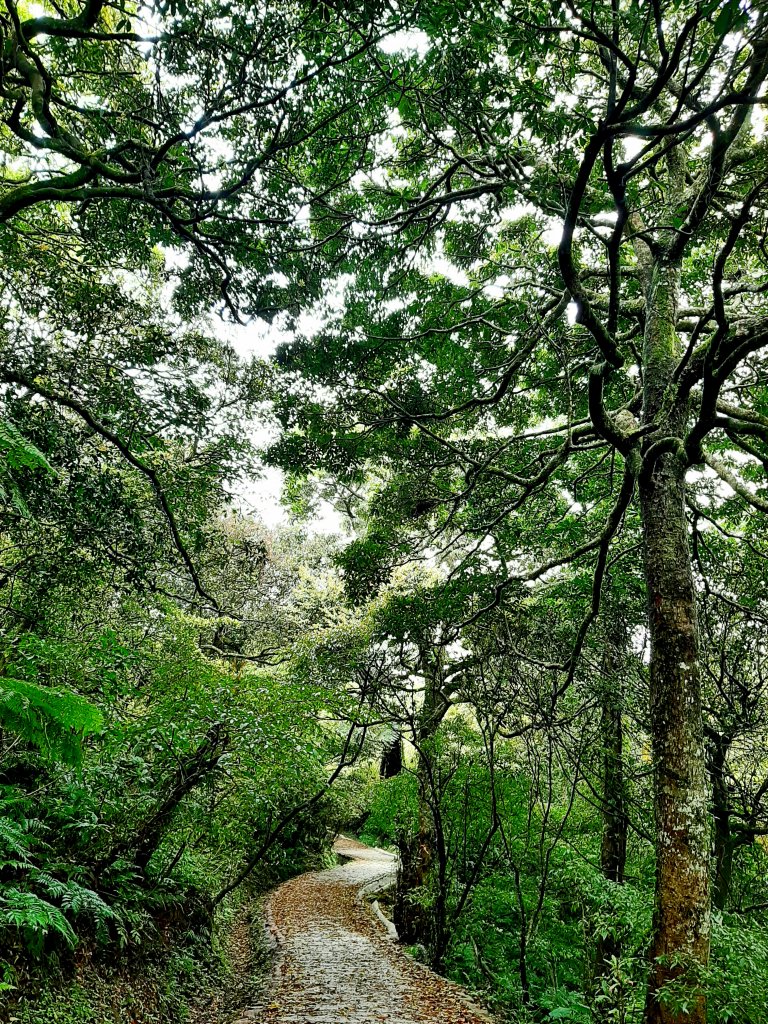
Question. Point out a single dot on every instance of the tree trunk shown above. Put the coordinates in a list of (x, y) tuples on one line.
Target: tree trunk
[(681, 906), (391, 763), (724, 844), (415, 858), (417, 852), (613, 846), (522, 948), (724, 850), (439, 937)]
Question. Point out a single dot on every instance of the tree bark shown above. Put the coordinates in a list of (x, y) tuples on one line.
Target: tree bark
[(613, 845), (724, 849), (721, 813), (412, 919), (682, 907), (391, 763)]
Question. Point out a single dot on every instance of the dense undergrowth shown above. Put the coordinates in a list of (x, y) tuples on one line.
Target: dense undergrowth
[(137, 777), (157, 985)]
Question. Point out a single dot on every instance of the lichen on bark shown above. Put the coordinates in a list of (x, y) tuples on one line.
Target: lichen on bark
[(680, 940)]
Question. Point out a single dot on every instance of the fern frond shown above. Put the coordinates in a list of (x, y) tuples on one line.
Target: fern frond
[(17, 452), (73, 898), (14, 843), (52, 719), (33, 918)]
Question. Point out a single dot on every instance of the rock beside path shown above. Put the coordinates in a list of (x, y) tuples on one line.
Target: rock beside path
[(336, 963)]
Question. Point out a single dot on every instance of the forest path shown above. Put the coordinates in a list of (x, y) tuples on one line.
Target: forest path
[(337, 965)]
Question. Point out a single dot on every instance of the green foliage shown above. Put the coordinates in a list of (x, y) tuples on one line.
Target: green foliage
[(76, 901), (736, 979), (15, 840), (33, 918), (153, 989), (607, 910), (517, 330), (54, 720), (17, 454), (392, 811), (107, 857)]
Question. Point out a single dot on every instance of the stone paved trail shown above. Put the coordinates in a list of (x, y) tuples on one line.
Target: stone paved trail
[(336, 963)]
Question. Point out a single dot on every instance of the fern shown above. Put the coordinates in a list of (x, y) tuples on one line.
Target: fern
[(34, 918), (14, 843), (76, 900), (133, 923), (16, 453), (54, 720), (134, 926)]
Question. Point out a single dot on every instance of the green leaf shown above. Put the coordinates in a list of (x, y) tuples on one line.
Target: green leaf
[(727, 17), (54, 720)]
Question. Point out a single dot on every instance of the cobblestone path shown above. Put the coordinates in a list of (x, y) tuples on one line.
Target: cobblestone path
[(337, 965)]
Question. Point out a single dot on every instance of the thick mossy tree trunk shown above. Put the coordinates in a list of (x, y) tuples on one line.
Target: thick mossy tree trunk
[(682, 904)]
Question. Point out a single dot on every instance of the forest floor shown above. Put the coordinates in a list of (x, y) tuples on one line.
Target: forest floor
[(335, 962), (248, 959)]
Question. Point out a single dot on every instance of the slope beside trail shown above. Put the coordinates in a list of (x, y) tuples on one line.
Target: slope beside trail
[(337, 965)]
